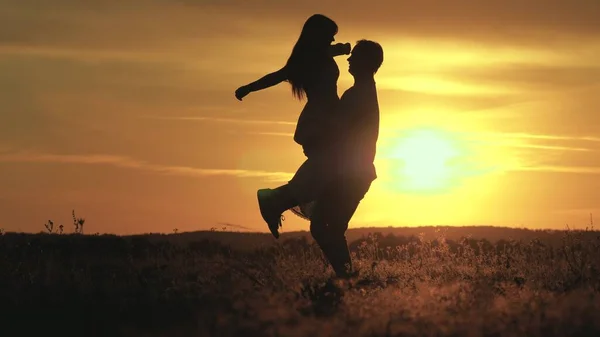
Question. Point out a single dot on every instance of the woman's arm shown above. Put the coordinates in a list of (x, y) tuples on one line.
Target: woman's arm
[(264, 82), (340, 49)]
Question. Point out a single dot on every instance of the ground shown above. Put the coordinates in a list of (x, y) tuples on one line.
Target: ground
[(103, 285)]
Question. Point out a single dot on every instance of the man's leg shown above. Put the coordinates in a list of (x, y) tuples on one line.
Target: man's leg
[(333, 211), (328, 227)]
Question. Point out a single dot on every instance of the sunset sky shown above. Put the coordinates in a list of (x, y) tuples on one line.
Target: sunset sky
[(124, 111)]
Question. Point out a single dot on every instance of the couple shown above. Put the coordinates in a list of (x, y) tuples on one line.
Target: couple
[(338, 137)]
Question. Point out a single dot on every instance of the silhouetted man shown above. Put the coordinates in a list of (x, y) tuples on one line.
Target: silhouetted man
[(355, 155), (328, 189)]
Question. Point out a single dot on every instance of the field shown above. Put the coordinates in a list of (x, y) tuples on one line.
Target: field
[(442, 283)]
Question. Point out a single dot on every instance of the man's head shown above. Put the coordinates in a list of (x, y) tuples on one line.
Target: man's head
[(366, 58)]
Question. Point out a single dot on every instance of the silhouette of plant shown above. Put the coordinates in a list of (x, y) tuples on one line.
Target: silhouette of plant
[(49, 226), (410, 284), (78, 223)]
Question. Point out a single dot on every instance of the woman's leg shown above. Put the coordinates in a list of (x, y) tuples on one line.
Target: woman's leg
[(301, 189), (308, 181), (272, 203)]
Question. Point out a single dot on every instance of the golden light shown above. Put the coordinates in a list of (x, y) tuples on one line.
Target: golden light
[(425, 154), (434, 160), (426, 159)]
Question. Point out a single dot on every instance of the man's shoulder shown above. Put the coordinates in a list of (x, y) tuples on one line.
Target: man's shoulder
[(362, 92)]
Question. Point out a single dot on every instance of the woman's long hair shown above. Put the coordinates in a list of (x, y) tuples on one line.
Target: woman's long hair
[(309, 52)]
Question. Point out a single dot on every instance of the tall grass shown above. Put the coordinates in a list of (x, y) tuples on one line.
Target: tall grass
[(131, 286)]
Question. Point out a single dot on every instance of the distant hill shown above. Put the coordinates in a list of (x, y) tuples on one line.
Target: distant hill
[(245, 240)]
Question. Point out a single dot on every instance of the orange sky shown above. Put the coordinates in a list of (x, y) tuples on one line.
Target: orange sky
[(125, 112)]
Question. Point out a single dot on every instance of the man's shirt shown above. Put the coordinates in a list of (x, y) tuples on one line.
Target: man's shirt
[(358, 129)]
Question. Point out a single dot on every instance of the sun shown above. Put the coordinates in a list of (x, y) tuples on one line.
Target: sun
[(424, 158)]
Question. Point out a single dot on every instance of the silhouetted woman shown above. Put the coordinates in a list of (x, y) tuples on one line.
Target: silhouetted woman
[(313, 74)]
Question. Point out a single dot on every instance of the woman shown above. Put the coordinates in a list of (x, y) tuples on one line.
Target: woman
[(313, 74)]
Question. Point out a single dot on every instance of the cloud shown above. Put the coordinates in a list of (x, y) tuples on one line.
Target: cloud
[(550, 147), (541, 136), (511, 20), (527, 140), (125, 162), (495, 136), (169, 24), (174, 34), (547, 153), (437, 85), (276, 134), (220, 120), (227, 224), (483, 152), (560, 169), (83, 54), (532, 78)]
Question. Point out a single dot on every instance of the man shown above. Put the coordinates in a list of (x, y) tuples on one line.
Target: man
[(348, 160)]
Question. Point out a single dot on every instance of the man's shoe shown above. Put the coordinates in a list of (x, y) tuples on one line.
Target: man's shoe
[(269, 212)]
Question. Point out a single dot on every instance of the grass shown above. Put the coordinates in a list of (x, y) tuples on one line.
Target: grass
[(104, 285)]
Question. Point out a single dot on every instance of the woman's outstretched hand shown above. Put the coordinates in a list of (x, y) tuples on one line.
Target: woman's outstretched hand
[(241, 92), (346, 48), (340, 49)]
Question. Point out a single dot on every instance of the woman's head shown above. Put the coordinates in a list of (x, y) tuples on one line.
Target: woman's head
[(310, 50), (318, 31)]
